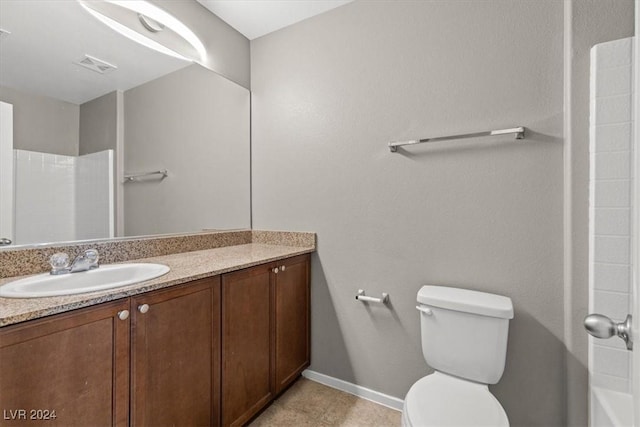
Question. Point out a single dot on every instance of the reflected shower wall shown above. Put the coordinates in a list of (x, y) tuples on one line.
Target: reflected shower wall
[(61, 198)]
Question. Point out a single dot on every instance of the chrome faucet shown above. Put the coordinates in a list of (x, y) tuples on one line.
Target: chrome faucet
[(60, 262)]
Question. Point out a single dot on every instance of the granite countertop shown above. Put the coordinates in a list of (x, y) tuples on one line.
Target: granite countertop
[(185, 267)]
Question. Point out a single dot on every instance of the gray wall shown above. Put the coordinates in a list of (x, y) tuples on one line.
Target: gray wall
[(98, 124), (43, 124), (228, 50), (590, 22), (327, 96), (195, 124)]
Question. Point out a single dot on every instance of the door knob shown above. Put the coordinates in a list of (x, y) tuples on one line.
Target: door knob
[(143, 308), (4, 241), (123, 315), (602, 327)]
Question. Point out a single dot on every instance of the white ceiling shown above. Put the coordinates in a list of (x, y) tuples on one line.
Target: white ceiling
[(48, 37), (255, 18)]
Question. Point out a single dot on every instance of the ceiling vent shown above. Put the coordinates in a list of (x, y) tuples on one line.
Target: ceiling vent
[(95, 64)]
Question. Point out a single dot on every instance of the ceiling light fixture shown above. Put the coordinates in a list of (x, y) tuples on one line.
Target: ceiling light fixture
[(4, 33), (148, 25)]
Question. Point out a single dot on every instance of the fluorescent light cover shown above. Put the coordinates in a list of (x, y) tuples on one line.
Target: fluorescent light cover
[(164, 18), (133, 35)]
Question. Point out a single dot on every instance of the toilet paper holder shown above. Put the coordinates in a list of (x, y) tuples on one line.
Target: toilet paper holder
[(360, 296)]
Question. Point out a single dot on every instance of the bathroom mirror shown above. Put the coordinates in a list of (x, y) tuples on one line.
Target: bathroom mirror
[(95, 115)]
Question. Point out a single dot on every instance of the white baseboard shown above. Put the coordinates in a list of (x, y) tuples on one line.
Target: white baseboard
[(356, 390)]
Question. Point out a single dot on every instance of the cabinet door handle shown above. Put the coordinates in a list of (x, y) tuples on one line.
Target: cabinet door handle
[(143, 308), (283, 267), (123, 315), (275, 270)]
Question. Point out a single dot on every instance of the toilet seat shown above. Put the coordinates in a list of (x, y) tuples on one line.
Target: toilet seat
[(442, 400)]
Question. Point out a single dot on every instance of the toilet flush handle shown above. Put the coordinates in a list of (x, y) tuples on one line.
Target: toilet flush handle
[(424, 310)]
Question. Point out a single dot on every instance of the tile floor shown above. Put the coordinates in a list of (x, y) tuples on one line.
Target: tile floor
[(310, 404)]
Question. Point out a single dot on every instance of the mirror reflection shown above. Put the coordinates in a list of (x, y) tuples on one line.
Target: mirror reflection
[(89, 116)]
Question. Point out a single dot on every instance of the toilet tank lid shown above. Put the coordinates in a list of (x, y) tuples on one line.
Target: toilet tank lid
[(467, 301)]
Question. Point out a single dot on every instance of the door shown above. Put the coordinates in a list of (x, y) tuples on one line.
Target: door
[(6, 174), (291, 311), (67, 370), (635, 287), (246, 344), (613, 241), (175, 349)]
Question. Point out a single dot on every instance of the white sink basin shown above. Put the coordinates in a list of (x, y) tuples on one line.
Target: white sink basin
[(104, 277)]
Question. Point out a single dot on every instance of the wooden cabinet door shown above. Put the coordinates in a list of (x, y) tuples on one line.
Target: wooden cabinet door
[(246, 344), (75, 363), (291, 320), (175, 350)]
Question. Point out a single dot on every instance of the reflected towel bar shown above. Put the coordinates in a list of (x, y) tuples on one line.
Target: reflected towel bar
[(517, 131), (136, 176)]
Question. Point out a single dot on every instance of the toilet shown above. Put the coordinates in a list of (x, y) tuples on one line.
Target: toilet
[(464, 339)]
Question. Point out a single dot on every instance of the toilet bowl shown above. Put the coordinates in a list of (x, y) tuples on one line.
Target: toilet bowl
[(464, 339), (442, 400)]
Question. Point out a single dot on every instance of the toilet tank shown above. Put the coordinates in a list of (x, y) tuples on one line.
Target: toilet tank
[(464, 333)]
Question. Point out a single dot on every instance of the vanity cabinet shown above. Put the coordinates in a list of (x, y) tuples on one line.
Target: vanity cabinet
[(209, 352), (68, 369), (148, 360), (265, 335)]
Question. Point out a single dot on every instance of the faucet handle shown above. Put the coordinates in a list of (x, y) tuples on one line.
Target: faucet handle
[(92, 256), (59, 262)]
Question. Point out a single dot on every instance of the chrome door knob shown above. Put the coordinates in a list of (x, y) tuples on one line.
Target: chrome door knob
[(123, 315), (602, 327), (143, 308)]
